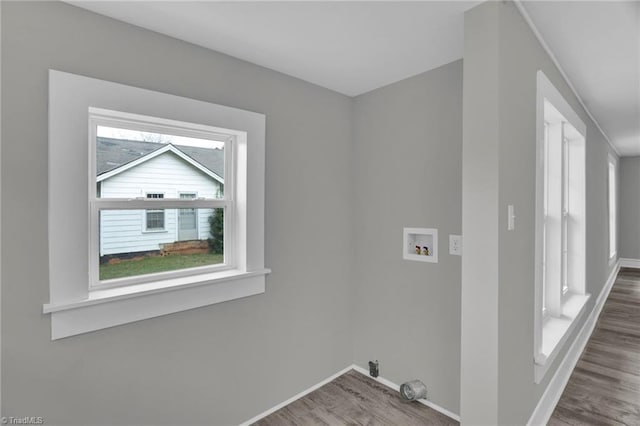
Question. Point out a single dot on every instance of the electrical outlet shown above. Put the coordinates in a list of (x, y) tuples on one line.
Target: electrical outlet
[(455, 245), (373, 368)]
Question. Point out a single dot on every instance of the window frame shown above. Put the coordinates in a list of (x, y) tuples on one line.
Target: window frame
[(565, 296), (136, 122), (74, 306), (612, 201)]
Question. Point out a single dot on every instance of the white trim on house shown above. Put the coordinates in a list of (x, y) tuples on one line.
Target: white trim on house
[(167, 148), (547, 403)]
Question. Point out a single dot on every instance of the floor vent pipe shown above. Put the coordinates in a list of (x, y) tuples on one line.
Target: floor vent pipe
[(413, 390)]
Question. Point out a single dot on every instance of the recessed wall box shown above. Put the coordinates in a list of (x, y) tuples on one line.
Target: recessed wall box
[(420, 244)]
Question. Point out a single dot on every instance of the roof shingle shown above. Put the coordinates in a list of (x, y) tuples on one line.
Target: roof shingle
[(113, 153)]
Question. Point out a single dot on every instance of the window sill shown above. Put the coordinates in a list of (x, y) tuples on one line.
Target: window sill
[(556, 331), (116, 306)]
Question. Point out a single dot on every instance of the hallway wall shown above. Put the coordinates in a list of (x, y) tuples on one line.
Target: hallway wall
[(629, 196)]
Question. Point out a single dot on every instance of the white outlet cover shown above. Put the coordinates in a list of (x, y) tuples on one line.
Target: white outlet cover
[(455, 245)]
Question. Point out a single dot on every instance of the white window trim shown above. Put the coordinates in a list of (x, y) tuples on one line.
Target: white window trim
[(613, 254), (551, 332), (76, 309), (136, 122)]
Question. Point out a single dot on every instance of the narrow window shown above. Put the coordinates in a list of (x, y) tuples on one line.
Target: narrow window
[(560, 223), (613, 209)]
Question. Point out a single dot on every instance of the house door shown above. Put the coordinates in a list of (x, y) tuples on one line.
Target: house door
[(187, 221)]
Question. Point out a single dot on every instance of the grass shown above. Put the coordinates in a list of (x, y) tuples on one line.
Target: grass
[(151, 264)]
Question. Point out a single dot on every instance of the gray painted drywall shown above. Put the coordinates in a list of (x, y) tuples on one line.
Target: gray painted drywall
[(220, 364), (629, 196), (480, 179), (520, 56), (407, 173), (0, 212)]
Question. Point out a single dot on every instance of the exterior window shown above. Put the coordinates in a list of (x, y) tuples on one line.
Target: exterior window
[(154, 218), (133, 151), (613, 210), (174, 188), (560, 224)]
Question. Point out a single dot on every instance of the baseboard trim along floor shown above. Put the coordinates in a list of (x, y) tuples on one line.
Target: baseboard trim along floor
[(552, 394), (360, 370), (396, 388), (630, 263), (297, 396)]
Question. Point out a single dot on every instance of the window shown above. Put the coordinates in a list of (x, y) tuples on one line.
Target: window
[(140, 159), (188, 185), (560, 224), (154, 219), (613, 210)]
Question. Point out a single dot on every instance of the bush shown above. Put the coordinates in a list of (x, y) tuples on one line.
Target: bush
[(216, 230)]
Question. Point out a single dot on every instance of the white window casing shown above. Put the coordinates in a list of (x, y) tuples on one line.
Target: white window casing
[(613, 208), (560, 238), (76, 304)]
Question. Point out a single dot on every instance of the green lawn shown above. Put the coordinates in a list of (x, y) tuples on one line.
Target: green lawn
[(151, 264)]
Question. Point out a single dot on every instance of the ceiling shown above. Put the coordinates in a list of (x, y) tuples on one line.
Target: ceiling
[(598, 46), (355, 47), (348, 47)]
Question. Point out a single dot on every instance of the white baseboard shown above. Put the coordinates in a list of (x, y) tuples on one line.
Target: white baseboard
[(296, 397), (629, 263), (335, 376), (558, 382), (396, 387), (551, 395)]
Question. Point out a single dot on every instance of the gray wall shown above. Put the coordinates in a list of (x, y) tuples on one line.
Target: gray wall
[(519, 57), (407, 173), (220, 364), (629, 196)]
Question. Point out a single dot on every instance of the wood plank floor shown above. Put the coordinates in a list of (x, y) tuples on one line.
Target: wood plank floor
[(604, 388), (354, 399)]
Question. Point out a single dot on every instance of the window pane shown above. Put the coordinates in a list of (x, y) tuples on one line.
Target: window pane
[(612, 210), (133, 164), (189, 238), (155, 220)]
